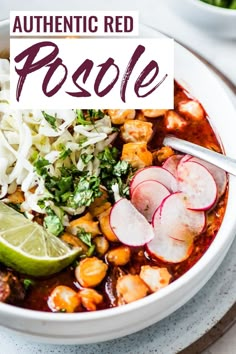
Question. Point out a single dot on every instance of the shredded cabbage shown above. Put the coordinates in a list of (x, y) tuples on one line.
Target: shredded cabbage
[(26, 135)]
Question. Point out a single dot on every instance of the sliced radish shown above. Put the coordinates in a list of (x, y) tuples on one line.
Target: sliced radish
[(198, 184), (129, 225), (186, 158), (154, 173), (171, 164), (169, 250), (147, 196), (177, 221), (218, 174)]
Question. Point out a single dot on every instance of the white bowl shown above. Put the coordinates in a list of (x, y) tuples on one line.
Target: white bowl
[(217, 21), (113, 323)]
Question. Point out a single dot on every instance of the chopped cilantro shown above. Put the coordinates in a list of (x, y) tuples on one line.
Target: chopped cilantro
[(40, 166), (50, 119), (69, 171), (41, 203), (27, 283), (82, 140), (85, 237), (64, 153), (86, 158), (108, 156), (113, 171), (90, 251), (72, 188), (52, 222), (64, 184), (65, 196), (81, 118), (88, 117), (59, 187), (121, 168), (86, 190), (95, 114)]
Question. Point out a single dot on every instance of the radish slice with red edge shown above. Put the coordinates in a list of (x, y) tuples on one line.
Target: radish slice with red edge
[(218, 174), (171, 164), (154, 173), (176, 220), (147, 196), (166, 248), (184, 159), (130, 227), (198, 184), (169, 250)]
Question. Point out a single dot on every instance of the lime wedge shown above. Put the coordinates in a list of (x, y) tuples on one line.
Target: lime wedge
[(28, 248)]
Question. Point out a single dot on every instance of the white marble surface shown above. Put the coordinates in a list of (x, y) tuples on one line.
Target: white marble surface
[(221, 53)]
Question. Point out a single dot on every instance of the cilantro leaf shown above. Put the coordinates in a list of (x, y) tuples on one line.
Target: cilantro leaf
[(59, 187), (89, 116), (81, 118), (108, 158), (41, 203), (82, 140), (40, 164), (64, 153), (95, 114), (90, 251), (108, 155), (113, 171), (86, 158), (28, 283), (85, 237), (52, 222), (86, 190), (121, 168), (50, 119)]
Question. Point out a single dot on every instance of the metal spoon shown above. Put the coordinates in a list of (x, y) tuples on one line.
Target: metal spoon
[(224, 162)]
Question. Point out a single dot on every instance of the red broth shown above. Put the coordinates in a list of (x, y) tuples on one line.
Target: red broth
[(199, 132)]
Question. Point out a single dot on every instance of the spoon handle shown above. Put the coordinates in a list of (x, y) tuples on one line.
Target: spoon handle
[(224, 162)]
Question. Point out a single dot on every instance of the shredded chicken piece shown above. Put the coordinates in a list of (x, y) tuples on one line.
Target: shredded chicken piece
[(153, 113), (90, 298), (163, 154), (191, 109), (137, 154), (130, 288), (119, 116), (155, 277), (136, 131), (174, 122)]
